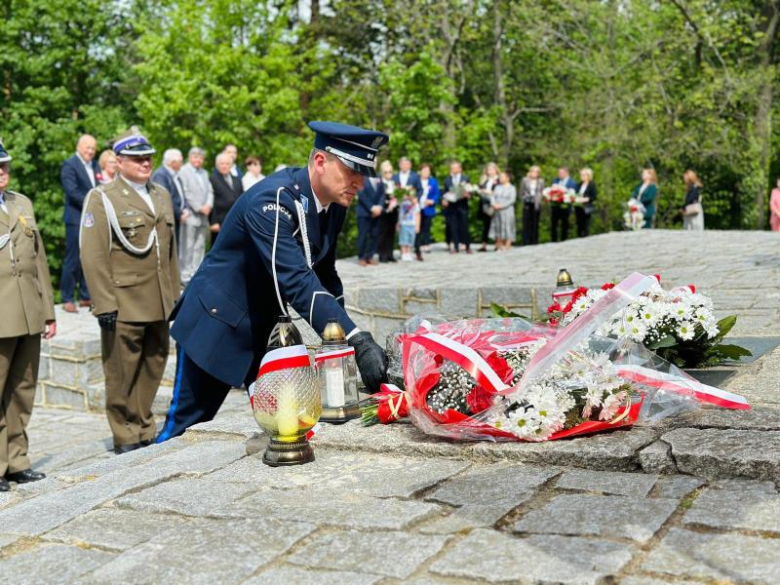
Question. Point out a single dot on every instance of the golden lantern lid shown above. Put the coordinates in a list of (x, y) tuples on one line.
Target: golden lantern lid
[(564, 278), (334, 333)]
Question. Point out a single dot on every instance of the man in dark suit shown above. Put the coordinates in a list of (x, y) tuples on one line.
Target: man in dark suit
[(369, 207), (407, 177), (278, 246), (227, 190), (560, 212), (457, 195), (168, 176), (78, 176)]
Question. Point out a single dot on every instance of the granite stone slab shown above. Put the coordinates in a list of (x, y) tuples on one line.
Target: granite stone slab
[(727, 558), (287, 575), (621, 484), (391, 554), (113, 529), (736, 509), (189, 497), (472, 516), (37, 515), (203, 551), (716, 453), (492, 484), (7, 540), (498, 557), (678, 486), (611, 516), (369, 473), (657, 458), (324, 507), (51, 563)]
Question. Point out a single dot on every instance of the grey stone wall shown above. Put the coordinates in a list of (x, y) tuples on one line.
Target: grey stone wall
[(382, 310)]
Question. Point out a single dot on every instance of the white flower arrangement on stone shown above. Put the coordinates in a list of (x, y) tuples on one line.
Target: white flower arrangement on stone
[(678, 324), (582, 386)]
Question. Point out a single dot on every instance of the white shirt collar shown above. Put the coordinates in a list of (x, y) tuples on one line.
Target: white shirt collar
[(319, 205)]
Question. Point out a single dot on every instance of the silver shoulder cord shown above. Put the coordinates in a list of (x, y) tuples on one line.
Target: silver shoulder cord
[(113, 226), (306, 246)]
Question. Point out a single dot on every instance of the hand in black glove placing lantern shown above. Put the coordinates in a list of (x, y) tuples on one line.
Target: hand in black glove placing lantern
[(371, 360)]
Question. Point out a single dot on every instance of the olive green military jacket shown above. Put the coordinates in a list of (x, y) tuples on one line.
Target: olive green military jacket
[(128, 253), (26, 299)]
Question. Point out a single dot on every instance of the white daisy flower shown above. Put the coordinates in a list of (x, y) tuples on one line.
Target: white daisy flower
[(685, 330)]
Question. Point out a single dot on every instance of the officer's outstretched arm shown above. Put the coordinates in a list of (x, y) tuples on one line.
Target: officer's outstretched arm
[(329, 277), (271, 228), (95, 239)]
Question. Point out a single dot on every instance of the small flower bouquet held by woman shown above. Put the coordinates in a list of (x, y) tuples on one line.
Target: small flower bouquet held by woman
[(634, 216), (558, 194), (677, 324), (507, 380)]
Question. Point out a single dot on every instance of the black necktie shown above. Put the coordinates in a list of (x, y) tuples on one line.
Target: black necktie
[(323, 217)]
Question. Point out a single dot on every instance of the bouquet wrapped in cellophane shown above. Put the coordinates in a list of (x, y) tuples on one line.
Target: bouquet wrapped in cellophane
[(509, 380)]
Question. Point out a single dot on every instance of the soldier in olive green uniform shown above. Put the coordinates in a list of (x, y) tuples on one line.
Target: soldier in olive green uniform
[(128, 253), (26, 311)]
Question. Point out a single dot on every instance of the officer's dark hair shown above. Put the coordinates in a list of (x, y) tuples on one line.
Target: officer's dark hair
[(314, 151)]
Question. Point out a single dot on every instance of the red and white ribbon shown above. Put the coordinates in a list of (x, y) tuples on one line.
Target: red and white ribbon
[(314, 430), (296, 356), (673, 383), (616, 299), (465, 357), (336, 353)]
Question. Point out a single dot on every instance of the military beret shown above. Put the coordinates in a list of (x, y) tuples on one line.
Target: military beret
[(132, 143), (356, 147)]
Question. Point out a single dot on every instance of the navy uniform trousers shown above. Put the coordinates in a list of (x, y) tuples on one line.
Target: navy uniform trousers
[(368, 232), (197, 397)]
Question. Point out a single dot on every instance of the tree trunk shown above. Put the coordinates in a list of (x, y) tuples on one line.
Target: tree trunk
[(763, 122), (499, 91)]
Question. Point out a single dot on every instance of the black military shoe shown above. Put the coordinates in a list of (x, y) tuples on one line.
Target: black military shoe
[(25, 476), (146, 442), (119, 449), (4, 485)]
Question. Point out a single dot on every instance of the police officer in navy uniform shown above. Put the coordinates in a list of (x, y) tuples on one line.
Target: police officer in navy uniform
[(276, 247)]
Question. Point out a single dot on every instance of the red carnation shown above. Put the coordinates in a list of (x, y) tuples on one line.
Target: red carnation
[(608, 286), (479, 399)]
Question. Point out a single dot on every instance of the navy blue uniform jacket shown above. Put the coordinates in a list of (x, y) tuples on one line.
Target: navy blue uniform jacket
[(163, 177), (75, 181), (230, 306), (370, 196)]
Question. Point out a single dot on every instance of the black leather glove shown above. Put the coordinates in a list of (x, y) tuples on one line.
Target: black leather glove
[(371, 360), (107, 321)]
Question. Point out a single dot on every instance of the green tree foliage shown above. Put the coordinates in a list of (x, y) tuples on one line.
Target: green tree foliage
[(615, 85)]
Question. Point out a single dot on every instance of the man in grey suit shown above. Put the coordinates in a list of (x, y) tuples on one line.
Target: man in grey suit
[(199, 200), (168, 176)]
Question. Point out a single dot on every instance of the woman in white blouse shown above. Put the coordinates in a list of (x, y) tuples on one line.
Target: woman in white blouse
[(254, 172)]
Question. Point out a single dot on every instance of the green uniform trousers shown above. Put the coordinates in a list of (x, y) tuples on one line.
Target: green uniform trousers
[(19, 358), (134, 357)]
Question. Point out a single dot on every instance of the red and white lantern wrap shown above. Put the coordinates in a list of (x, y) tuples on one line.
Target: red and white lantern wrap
[(286, 381)]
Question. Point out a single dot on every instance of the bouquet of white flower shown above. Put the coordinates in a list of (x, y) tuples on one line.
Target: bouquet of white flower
[(507, 380), (678, 324)]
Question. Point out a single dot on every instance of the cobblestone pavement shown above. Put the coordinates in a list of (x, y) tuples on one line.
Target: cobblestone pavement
[(694, 500)]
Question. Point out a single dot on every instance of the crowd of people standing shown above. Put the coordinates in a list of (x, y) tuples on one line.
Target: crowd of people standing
[(200, 199), (405, 203), (402, 204)]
